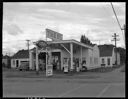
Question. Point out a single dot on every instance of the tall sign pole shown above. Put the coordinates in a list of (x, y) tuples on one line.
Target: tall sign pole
[(28, 51), (115, 39), (124, 28), (46, 53), (28, 44), (55, 36), (37, 63)]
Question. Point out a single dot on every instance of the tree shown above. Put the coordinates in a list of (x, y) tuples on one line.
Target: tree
[(85, 40), (122, 52)]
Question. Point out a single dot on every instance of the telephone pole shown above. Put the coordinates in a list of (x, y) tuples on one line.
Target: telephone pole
[(124, 28), (115, 39), (28, 44)]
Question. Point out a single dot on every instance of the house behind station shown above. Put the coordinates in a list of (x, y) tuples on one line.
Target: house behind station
[(22, 56), (108, 55)]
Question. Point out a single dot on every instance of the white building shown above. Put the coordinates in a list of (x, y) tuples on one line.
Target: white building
[(22, 56), (70, 50), (108, 55)]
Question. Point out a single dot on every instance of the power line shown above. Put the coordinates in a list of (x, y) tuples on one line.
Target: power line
[(116, 16), (107, 12), (117, 19), (17, 41)]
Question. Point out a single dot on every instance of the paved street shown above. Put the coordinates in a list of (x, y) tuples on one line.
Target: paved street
[(111, 84)]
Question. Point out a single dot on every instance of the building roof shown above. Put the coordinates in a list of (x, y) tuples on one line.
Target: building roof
[(6, 57), (71, 41), (93, 45), (21, 54), (106, 50), (67, 42)]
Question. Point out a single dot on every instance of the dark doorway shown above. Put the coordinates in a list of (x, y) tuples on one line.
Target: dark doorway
[(42, 61), (108, 61), (42, 55), (17, 63), (56, 56)]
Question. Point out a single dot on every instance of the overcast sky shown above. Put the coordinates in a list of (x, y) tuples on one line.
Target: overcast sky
[(96, 20)]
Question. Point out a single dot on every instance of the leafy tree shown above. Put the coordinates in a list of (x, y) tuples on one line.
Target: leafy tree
[(85, 40), (122, 52)]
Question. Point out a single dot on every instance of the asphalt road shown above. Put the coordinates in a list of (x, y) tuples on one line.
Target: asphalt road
[(111, 84)]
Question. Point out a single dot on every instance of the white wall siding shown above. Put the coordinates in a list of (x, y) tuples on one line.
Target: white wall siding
[(118, 58), (96, 57), (90, 62), (85, 54), (14, 65)]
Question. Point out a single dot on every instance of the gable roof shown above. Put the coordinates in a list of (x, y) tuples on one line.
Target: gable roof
[(21, 54), (93, 45), (6, 57), (106, 50)]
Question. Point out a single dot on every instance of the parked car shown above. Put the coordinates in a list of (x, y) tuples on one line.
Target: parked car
[(24, 66)]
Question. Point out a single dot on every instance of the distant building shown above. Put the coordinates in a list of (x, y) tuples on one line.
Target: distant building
[(22, 56), (6, 60), (108, 55)]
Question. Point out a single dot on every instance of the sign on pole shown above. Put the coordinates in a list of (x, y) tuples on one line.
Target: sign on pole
[(49, 70), (41, 44), (49, 66), (53, 35)]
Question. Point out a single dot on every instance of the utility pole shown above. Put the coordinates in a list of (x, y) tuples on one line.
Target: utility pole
[(28, 51), (115, 39), (124, 28), (28, 44)]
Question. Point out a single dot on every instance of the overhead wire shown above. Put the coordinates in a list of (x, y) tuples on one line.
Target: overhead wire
[(116, 16), (117, 20)]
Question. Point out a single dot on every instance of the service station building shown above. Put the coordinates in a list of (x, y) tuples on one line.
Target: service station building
[(61, 54)]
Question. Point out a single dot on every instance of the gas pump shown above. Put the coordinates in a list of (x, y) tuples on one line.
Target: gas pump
[(65, 65)]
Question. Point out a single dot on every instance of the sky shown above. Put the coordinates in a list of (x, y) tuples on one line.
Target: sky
[(28, 20)]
